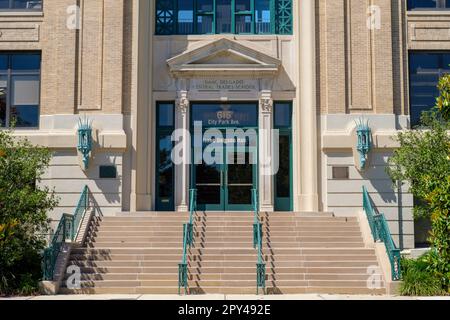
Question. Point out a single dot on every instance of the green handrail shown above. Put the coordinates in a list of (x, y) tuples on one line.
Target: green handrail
[(381, 233), (80, 211), (67, 230), (62, 234), (257, 244), (188, 240)]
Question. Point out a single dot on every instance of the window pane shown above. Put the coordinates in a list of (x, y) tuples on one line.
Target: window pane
[(25, 90), (3, 94), (166, 115), (26, 62), (204, 24), (425, 71), (185, 16), (27, 4), (25, 116), (263, 16), (243, 24), (223, 16), (3, 63), (243, 5), (205, 6), (427, 4), (283, 115)]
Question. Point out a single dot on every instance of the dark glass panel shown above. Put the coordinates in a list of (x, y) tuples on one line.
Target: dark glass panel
[(185, 16), (240, 194), (263, 16), (25, 116), (166, 114), (223, 16), (243, 24), (205, 6), (208, 195), (225, 115), (283, 115), (425, 70), (165, 168), (26, 62), (243, 5), (204, 24), (283, 176)]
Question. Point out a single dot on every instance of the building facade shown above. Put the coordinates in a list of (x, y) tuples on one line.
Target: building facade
[(299, 74)]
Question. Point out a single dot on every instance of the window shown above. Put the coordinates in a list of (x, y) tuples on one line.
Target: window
[(223, 16), (428, 4), (425, 69), (19, 89), (15, 5), (165, 115)]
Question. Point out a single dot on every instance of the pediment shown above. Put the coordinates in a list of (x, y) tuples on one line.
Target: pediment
[(225, 57)]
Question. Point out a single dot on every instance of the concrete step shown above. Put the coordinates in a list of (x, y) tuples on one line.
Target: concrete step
[(211, 276), (226, 223), (212, 257), (152, 233), (226, 239), (228, 270), (227, 251)]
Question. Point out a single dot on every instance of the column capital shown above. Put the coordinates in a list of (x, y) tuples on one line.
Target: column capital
[(182, 101), (266, 101)]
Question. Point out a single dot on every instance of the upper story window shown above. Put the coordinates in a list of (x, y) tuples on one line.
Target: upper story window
[(223, 16), (428, 4), (19, 89), (425, 69), (14, 5)]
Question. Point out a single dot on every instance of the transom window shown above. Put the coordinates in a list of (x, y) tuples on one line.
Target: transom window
[(31, 5), (223, 16), (428, 4), (19, 89)]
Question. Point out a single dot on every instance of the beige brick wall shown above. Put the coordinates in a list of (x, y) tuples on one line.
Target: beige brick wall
[(361, 70)]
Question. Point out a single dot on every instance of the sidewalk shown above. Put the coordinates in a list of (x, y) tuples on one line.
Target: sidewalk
[(222, 297)]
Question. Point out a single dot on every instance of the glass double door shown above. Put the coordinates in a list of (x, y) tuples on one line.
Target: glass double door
[(226, 176)]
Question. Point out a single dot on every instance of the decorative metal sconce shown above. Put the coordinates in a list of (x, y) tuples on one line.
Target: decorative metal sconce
[(364, 145), (85, 140)]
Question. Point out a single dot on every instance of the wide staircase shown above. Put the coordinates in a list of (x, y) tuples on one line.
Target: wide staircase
[(303, 253)]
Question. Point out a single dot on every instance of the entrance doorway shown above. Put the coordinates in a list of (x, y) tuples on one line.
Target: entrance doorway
[(225, 164)]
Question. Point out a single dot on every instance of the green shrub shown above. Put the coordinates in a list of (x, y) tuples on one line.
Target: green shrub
[(418, 280), (23, 214)]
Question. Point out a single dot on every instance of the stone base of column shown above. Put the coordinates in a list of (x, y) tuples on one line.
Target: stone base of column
[(267, 208), (308, 202), (182, 208), (140, 202)]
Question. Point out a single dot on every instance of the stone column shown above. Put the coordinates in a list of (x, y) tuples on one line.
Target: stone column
[(266, 152), (182, 169), (141, 197), (308, 199)]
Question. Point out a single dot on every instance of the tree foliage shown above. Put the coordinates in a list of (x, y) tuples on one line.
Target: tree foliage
[(423, 160), (24, 206)]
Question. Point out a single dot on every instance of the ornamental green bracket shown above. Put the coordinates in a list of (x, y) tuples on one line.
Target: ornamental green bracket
[(364, 143), (85, 140)]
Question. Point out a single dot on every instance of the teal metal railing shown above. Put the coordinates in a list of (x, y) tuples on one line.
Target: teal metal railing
[(62, 234), (80, 211), (381, 233), (188, 240), (67, 231), (257, 244)]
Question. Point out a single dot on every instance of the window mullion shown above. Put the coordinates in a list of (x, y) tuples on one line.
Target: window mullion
[(214, 14), (252, 9), (233, 16), (8, 94)]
